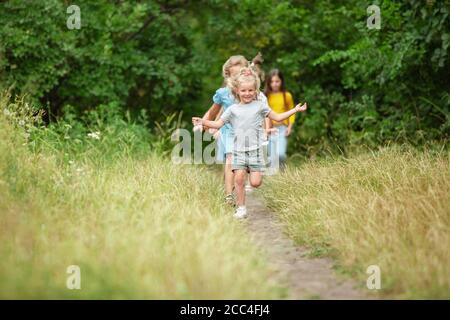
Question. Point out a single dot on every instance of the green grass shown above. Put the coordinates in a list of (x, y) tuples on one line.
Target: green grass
[(389, 208), (138, 227), (141, 227)]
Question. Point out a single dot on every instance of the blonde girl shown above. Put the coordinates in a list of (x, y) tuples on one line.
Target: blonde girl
[(222, 100), (246, 119)]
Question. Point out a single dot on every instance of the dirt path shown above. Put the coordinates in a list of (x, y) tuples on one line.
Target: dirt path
[(305, 277)]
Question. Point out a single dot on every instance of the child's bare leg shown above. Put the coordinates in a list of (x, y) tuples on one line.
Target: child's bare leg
[(239, 180), (229, 175), (255, 179)]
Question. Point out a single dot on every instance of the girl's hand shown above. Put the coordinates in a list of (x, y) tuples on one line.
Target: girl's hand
[(196, 121), (198, 125), (288, 131), (212, 131), (301, 108), (198, 128), (271, 131)]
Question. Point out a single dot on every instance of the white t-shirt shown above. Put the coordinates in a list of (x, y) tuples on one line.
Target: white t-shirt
[(247, 124)]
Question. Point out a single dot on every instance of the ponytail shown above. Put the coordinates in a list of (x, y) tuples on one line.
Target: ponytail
[(256, 65)]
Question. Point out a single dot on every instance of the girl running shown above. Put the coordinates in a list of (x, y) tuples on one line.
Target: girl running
[(222, 100), (246, 119)]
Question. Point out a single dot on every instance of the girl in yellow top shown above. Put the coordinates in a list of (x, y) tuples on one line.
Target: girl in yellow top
[(280, 100)]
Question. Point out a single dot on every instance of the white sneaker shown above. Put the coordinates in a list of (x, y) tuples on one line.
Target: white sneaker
[(241, 212)]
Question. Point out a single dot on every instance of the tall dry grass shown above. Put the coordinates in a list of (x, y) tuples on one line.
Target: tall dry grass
[(137, 228), (389, 208)]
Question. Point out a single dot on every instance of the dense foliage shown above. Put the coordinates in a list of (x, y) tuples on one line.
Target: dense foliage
[(130, 52), (363, 86)]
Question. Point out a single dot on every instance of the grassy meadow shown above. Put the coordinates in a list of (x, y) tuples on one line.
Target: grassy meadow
[(92, 91), (137, 226), (99, 191), (389, 208)]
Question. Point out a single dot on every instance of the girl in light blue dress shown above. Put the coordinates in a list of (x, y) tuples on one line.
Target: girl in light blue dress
[(222, 99)]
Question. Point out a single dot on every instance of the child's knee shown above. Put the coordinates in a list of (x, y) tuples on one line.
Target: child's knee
[(256, 180), (256, 184)]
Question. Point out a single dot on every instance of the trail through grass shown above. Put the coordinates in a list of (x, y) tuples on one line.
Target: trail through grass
[(137, 227), (389, 208)]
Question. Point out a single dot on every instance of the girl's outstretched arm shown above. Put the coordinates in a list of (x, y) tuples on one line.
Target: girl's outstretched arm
[(196, 121), (212, 112), (283, 116)]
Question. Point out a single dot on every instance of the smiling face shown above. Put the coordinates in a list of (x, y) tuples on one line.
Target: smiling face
[(247, 91)]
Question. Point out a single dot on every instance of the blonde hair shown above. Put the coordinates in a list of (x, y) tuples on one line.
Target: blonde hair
[(245, 75), (256, 64), (231, 62)]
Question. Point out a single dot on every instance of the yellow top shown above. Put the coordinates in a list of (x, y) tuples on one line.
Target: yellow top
[(276, 103)]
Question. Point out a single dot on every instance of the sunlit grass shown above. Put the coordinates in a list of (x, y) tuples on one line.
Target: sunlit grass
[(137, 227), (390, 208)]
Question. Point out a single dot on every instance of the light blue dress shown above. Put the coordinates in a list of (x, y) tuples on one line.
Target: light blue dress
[(225, 98)]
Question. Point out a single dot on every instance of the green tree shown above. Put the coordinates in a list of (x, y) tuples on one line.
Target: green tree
[(131, 52), (363, 86)]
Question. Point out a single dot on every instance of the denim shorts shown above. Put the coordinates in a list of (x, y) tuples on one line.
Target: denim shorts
[(252, 160)]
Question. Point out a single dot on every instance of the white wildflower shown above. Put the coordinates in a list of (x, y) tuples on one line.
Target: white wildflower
[(21, 123), (6, 112), (94, 135), (80, 171)]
